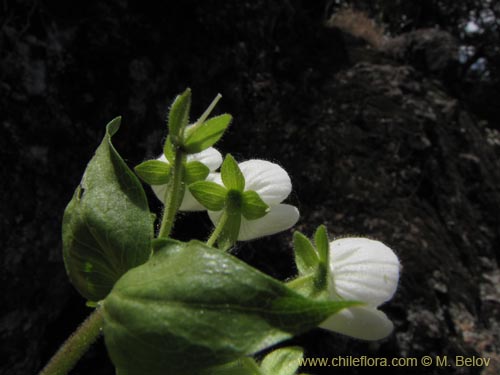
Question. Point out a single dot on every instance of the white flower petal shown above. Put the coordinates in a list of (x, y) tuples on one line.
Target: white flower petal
[(363, 270), (269, 180), (160, 191), (280, 218), (366, 323), (210, 157)]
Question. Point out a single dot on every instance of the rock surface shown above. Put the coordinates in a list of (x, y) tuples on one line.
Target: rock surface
[(378, 147)]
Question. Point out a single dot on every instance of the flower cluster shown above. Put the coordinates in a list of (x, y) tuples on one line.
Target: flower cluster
[(270, 181)]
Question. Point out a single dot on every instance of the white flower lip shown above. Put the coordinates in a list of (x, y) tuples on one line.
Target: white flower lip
[(273, 185), (211, 158), (367, 271)]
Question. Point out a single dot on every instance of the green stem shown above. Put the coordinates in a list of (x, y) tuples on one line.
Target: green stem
[(173, 195), (218, 229), (76, 345)]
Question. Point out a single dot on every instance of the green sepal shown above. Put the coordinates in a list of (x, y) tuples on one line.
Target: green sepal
[(107, 227), (231, 230), (284, 361), (195, 171), (253, 207), (231, 174), (168, 150), (178, 117), (322, 244), (209, 194), (306, 257), (205, 135), (192, 307), (153, 172)]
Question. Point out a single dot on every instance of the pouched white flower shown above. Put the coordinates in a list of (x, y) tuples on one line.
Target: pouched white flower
[(211, 158), (367, 271), (273, 185)]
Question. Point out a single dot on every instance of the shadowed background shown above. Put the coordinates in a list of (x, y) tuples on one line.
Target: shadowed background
[(389, 134)]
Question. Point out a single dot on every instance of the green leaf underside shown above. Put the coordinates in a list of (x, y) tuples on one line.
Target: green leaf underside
[(231, 174), (283, 361), (178, 116), (306, 256), (207, 134), (107, 227), (192, 307), (210, 194), (195, 171), (253, 207), (153, 172)]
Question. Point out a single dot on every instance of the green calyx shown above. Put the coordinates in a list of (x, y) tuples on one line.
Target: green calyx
[(312, 262)]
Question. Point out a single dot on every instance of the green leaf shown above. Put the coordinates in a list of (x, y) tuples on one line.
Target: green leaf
[(178, 117), (107, 227), (153, 172), (205, 135), (306, 256), (195, 171), (168, 150), (231, 174), (285, 361), (191, 307), (209, 194), (322, 244), (253, 207), (243, 366)]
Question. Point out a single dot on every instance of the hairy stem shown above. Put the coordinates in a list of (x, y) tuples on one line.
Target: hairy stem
[(76, 345), (173, 196)]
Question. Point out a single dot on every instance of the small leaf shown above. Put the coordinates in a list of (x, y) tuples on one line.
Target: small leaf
[(195, 171), (153, 172), (306, 256), (322, 244), (205, 135), (107, 227), (178, 117), (231, 174), (253, 207), (209, 194), (285, 361), (204, 303), (168, 150)]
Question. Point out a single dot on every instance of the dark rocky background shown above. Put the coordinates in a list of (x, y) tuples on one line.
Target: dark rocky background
[(391, 137)]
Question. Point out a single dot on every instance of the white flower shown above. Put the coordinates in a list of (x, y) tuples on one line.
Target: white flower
[(367, 271), (211, 158), (273, 185)]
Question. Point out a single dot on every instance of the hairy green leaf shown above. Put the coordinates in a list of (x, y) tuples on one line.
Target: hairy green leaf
[(206, 134), (153, 172), (195, 171), (306, 256), (253, 207), (192, 307), (322, 244), (209, 194), (178, 116), (107, 227), (231, 174)]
